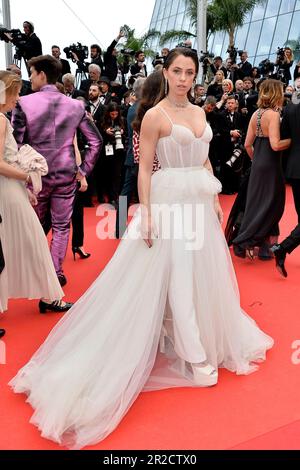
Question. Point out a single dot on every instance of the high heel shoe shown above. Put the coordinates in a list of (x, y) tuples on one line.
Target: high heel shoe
[(80, 252), (57, 306), (204, 375), (250, 253), (280, 255)]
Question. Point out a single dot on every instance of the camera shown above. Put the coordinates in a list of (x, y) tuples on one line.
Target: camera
[(238, 149), (158, 60), (81, 51), (280, 54), (204, 59), (118, 137), (18, 38), (266, 67), (127, 52)]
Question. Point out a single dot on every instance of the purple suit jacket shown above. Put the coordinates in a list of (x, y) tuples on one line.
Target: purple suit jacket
[(48, 121)]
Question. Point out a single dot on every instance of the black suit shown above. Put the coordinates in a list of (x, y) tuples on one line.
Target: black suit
[(65, 69), (32, 47), (135, 69), (85, 86), (290, 129), (244, 70)]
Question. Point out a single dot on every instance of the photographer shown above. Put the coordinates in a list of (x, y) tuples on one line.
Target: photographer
[(233, 150), (64, 63), (109, 167), (160, 59), (111, 63), (139, 66), (30, 45), (284, 62), (96, 56)]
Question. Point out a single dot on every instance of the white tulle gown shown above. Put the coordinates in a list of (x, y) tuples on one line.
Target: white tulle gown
[(150, 313), (29, 271)]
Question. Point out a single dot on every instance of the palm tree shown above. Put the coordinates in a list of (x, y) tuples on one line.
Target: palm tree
[(228, 15), (136, 44), (222, 15)]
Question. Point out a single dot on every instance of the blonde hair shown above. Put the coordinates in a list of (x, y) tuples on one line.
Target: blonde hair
[(223, 76), (270, 94), (228, 82), (10, 85)]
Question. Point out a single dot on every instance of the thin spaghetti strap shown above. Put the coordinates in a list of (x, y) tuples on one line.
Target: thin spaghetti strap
[(166, 114)]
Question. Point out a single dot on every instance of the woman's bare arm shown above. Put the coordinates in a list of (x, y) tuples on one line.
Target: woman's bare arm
[(6, 169), (251, 135), (274, 134), (148, 141)]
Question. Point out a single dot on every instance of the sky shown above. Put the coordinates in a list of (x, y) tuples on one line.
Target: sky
[(89, 22)]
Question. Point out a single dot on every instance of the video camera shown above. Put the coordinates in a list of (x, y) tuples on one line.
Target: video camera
[(81, 51), (233, 52), (18, 38), (204, 59), (280, 54), (159, 60), (266, 68), (128, 52)]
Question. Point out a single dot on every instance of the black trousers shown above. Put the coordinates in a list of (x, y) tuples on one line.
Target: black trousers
[(77, 220), (2, 262), (129, 188), (293, 241)]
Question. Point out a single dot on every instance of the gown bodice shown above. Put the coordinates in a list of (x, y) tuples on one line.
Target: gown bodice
[(10, 154), (182, 149)]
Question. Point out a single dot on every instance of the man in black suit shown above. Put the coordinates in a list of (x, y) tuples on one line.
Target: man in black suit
[(234, 131), (290, 129), (2, 264), (244, 67), (106, 97), (139, 66), (64, 63)]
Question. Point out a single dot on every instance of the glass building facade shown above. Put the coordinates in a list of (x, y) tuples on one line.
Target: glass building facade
[(273, 24)]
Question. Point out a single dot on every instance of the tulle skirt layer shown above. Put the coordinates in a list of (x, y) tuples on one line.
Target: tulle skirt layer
[(29, 271), (144, 320)]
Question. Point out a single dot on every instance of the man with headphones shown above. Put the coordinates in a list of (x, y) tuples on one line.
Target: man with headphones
[(30, 46)]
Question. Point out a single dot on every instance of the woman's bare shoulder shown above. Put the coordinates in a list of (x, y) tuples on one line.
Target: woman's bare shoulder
[(153, 116)]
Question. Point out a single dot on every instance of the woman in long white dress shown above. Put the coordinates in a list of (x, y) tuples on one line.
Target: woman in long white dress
[(166, 311), (29, 271)]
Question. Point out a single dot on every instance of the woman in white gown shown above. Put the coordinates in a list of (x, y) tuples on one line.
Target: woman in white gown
[(166, 311), (29, 271)]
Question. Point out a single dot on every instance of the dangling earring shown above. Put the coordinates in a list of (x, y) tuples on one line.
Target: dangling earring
[(166, 87)]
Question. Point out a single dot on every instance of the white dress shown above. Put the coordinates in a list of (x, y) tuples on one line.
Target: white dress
[(146, 312), (29, 271)]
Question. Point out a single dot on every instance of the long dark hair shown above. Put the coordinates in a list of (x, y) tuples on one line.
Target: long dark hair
[(106, 123), (173, 54), (149, 95)]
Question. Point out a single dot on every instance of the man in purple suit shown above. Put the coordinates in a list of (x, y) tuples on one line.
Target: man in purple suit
[(48, 121)]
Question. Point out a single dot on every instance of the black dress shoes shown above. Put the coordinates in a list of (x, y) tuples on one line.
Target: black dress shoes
[(62, 280), (2, 333), (57, 306), (280, 255)]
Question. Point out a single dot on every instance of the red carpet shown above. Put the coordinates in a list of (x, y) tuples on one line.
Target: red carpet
[(260, 411)]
